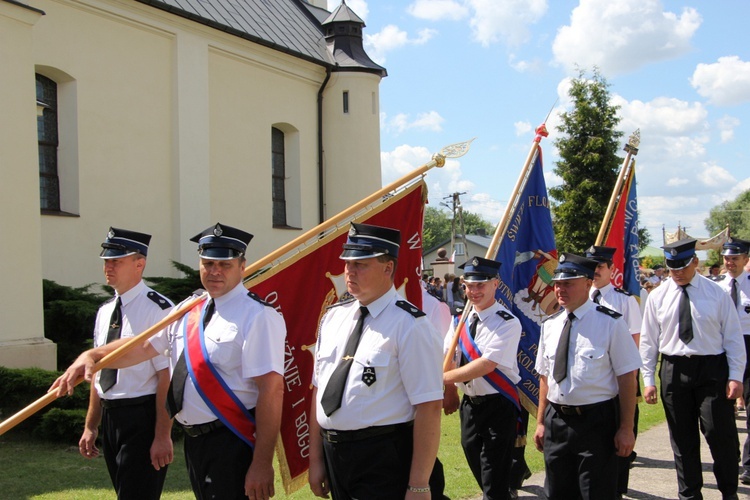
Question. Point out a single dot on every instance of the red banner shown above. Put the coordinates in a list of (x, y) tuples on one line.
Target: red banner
[(301, 288)]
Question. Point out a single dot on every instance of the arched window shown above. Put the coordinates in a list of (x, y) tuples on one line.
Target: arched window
[(49, 182), (278, 177)]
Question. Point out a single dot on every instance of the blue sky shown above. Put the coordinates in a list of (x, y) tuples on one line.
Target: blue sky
[(493, 69)]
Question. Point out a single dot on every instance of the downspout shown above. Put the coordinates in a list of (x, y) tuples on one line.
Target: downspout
[(321, 170)]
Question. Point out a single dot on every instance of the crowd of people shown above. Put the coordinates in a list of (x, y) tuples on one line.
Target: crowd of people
[(385, 370)]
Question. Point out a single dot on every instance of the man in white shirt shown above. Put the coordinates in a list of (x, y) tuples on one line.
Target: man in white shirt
[(692, 323)]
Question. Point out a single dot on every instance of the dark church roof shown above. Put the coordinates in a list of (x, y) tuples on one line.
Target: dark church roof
[(290, 26)]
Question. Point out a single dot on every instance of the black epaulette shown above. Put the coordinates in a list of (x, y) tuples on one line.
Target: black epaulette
[(411, 309), (256, 297), (558, 313), (505, 315), (609, 312), (624, 292), (159, 300), (722, 277), (341, 302)]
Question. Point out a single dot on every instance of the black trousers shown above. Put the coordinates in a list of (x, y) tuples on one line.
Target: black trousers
[(127, 435), (624, 463), (375, 468), (579, 453), (217, 463), (488, 436), (519, 469), (746, 397), (693, 391)]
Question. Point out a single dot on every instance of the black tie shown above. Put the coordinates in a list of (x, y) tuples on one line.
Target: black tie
[(108, 376), (561, 354), (179, 377), (686, 319), (597, 296), (734, 292), (334, 391)]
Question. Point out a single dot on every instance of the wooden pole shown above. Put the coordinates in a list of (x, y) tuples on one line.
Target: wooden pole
[(500, 231), (438, 160), (631, 148)]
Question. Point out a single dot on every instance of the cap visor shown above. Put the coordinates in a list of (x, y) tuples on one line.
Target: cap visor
[(677, 264), (115, 253), (349, 254), (218, 253), (477, 278), (568, 276)]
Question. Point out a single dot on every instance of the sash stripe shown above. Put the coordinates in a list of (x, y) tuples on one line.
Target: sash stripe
[(208, 382), (496, 378)]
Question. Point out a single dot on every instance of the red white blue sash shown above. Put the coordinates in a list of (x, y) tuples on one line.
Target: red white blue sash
[(211, 387), (496, 378)]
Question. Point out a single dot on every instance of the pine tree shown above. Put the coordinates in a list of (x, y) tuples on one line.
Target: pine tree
[(588, 164)]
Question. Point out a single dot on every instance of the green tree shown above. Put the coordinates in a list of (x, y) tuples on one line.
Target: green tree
[(437, 226), (735, 214), (588, 163)]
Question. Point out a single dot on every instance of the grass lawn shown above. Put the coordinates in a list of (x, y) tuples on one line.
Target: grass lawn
[(44, 471)]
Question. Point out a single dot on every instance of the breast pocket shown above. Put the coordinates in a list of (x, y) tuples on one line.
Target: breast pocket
[(223, 351), (590, 361), (370, 372)]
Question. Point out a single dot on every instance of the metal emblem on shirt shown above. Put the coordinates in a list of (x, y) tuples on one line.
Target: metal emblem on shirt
[(368, 376)]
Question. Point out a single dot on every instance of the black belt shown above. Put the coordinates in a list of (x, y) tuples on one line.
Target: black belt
[(200, 429), (334, 436), (693, 357), (478, 400), (118, 403), (578, 410)]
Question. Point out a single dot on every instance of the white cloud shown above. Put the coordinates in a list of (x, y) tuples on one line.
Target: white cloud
[(663, 115), (441, 181), (724, 83), (430, 121), (715, 176), (507, 21), (390, 38), (522, 128), (726, 126), (437, 10), (677, 181), (621, 36)]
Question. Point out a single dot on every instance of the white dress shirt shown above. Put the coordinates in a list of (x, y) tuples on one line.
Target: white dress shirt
[(716, 327), (743, 295)]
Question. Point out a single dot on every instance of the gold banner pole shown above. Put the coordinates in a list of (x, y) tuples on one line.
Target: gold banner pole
[(438, 160), (631, 148)]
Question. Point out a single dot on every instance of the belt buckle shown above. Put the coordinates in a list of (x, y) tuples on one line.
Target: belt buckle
[(570, 410), (330, 436)]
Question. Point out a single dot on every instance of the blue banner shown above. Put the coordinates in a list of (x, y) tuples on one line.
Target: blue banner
[(631, 274), (529, 257)]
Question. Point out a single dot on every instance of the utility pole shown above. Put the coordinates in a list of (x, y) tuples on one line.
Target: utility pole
[(458, 211)]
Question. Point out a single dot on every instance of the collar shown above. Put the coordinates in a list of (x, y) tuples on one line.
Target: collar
[(378, 305), (230, 295), (744, 275), (603, 290), (131, 294), (486, 313), (582, 310)]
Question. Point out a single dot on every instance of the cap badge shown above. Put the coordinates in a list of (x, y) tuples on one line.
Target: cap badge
[(352, 231), (561, 258), (111, 233), (475, 262), (591, 249), (673, 252), (218, 231)]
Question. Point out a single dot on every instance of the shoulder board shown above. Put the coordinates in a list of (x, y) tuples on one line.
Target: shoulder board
[(505, 315), (411, 309), (341, 302), (624, 292), (257, 298), (608, 311), (558, 313), (721, 277), (159, 300)]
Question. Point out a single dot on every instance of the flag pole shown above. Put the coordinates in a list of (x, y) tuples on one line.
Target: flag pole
[(502, 227), (631, 148), (438, 160)]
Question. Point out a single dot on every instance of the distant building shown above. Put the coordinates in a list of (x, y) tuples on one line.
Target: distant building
[(477, 244), (166, 116)]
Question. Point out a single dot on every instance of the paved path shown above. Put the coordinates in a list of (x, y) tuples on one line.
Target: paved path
[(653, 476)]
